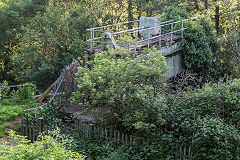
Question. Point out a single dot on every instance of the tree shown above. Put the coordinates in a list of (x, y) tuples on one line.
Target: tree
[(200, 43), (130, 88), (13, 16), (49, 42)]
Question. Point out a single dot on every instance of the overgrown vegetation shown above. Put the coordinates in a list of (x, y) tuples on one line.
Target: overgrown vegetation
[(12, 104), (11, 109), (48, 147), (127, 87), (39, 37)]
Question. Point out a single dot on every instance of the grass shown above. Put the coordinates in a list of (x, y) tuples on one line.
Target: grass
[(10, 110)]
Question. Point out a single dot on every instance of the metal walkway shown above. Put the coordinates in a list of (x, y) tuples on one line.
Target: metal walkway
[(145, 33)]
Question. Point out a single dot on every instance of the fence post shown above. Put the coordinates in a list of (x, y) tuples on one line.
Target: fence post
[(23, 124), (40, 125)]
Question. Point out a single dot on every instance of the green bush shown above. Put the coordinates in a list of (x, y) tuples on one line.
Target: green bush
[(214, 140), (217, 100), (4, 91), (207, 118), (11, 109), (26, 92), (129, 87), (45, 149), (200, 42)]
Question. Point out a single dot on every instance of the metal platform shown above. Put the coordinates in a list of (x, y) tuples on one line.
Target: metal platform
[(146, 32)]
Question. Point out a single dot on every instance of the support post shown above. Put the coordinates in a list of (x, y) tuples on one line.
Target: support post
[(121, 29), (160, 36), (135, 47), (182, 30), (135, 25), (171, 32), (91, 41), (148, 37), (93, 38)]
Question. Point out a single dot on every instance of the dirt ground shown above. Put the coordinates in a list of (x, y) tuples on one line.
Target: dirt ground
[(15, 124)]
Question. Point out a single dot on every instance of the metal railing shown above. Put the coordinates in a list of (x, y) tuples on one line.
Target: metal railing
[(11, 88), (167, 30)]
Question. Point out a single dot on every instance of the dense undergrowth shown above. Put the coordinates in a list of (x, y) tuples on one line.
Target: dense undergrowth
[(12, 104), (48, 147), (206, 119), (11, 109), (40, 37)]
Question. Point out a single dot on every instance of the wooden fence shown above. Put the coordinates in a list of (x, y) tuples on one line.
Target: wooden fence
[(89, 131), (32, 128)]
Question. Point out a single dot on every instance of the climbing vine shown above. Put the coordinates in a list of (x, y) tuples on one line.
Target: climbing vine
[(200, 42)]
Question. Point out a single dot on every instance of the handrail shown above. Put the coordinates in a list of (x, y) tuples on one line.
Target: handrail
[(136, 30), (57, 84), (110, 25), (14, 86)]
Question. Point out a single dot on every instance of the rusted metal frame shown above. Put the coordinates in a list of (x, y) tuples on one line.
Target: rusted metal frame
[(57, 84), (56, 90)]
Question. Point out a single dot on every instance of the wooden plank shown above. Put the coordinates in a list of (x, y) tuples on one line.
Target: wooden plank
[(47, 91)]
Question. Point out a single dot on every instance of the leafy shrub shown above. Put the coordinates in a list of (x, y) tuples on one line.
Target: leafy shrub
[(47, 148), (200, 42), (11, 109), (214, 100), (129, 87), (208, 118), (216, 140), (4, 91), (26, 92)]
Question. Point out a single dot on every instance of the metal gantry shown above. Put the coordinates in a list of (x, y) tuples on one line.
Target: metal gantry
[(169, 31)]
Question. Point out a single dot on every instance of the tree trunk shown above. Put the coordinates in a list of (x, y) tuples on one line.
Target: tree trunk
[(206, 4), (217, 16), (130, 14)]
